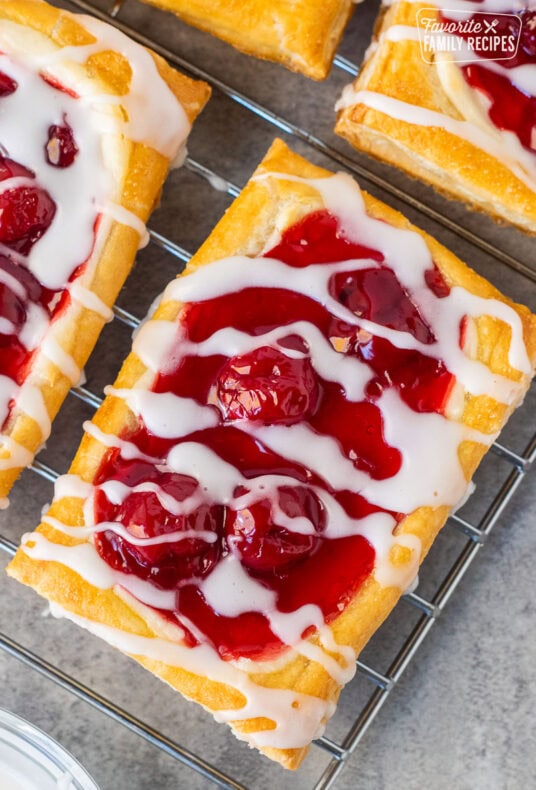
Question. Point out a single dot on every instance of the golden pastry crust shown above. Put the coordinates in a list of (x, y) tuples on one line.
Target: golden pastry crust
[(263, 207), (303, 35), (453, 165), (139, 172)]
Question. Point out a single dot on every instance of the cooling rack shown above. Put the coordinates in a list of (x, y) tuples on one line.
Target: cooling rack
[(252, 102)]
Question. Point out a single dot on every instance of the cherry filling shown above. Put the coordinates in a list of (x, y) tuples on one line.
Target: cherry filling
[(376, 294), (269, 386), (265, 545), (510, 108), (61, 148), (7, 85), (170, 564), (317, 239), (20, 293), (278, 537), (26, 213)]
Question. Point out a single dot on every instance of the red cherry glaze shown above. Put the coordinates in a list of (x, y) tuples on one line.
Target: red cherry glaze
[(11, 169), (25, 214), (166, 565), (509, 108), (14, 357), (245, 636), (25, 211), (317, 239), (424, 383), (358, 427), (7, 85), (328, 579), (527, 42), (262, 544), (269, 385), (55, 83), (376, 294), (61, 148), (436, 283)]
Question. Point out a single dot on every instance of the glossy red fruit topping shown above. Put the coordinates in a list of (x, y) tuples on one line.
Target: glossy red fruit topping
[(246, 636), (527, 42), (376, 294), (7, 85), (11, 169), (264, 544), (327, 578), (14, 304), (436, 282), (358, 428), (25, 214), (269, 386), (167, 564), (26, 211), (279, 385), (424, 383), (509, 107), (317, 238), (61, 148), (57, 85)]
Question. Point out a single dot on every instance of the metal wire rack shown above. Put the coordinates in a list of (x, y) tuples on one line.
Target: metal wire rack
[(475, 531)]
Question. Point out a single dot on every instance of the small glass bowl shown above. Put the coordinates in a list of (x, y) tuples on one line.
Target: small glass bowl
[(31, 760)]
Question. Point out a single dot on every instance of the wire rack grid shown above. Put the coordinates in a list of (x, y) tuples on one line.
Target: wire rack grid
[(473, 530)]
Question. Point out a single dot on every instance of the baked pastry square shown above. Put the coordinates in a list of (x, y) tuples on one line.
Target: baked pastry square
[(444, 112), (303, 35), (89, 124), (261, 483)]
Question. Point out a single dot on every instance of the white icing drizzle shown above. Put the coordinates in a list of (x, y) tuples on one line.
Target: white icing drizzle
[(128, 449), (90, 300), (6, 327), (421, 480), (328, 363), (70, 238), (149, 96), (17, 454), (51, 349), (125, 217), (119, 529), (168, 415), (116, 492), (36, 326), (150, 114), (154, 344), (492, 144), (298, 717), (84, 560), (31, 401), (72, 486)]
